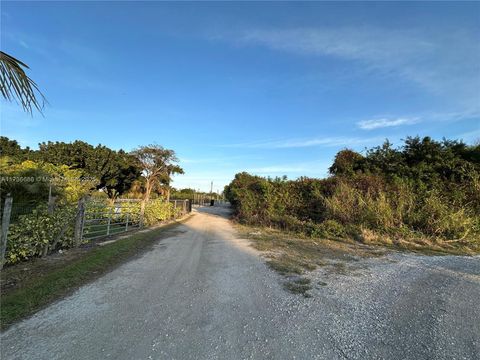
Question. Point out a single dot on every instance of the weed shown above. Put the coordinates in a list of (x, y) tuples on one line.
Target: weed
[(299, 286)]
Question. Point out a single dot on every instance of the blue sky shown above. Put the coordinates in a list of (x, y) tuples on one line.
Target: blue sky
[(269, 88)]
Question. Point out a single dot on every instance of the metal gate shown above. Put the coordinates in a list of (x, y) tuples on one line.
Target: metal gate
[(103, 219)]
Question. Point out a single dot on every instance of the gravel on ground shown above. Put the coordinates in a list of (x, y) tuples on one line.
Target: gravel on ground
[(203, 293)]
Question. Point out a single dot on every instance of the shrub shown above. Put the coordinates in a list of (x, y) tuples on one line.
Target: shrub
[(331, 228), (157, 211), (422, 190), (39, 233), (439, 217)]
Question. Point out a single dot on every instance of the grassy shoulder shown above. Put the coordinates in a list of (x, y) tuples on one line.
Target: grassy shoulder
[(29, 286), (293, 255)]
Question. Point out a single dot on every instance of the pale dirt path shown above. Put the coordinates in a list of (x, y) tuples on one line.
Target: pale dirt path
[(204, 294)]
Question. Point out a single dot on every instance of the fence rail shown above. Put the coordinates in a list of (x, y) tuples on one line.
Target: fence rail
[(120, 217), (90, 220)]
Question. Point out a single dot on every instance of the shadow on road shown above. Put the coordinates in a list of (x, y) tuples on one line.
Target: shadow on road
[(223, 211)]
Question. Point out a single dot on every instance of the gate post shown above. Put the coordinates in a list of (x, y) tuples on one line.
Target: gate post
[(79, 220), (7, 210)]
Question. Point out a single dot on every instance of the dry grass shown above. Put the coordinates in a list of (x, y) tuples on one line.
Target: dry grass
[(421, 243), (292, 255)]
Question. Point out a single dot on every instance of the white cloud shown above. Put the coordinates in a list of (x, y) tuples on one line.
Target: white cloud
[(24, 44), (301, 143), (385, 122), (313, 168), (444, 63), (367, 44)]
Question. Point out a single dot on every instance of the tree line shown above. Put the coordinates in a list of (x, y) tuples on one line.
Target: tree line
[(142, 173), (425, 193)]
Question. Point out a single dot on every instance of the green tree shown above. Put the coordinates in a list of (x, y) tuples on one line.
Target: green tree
[(157, 165), (115, 170), (12, 149), (346, 162)]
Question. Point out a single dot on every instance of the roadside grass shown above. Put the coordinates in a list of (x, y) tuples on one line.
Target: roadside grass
[(299, 286), (293, 255), (30, 286), (419, 243)]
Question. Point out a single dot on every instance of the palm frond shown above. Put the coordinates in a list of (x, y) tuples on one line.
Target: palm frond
[(16, 85)]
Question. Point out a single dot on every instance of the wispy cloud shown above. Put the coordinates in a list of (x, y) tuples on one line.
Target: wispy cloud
[(77, 65), (385, 122), (444, 63), (469, 114), (470, 136), (302, 143), (367, 44), (308, 168), (217, 160)]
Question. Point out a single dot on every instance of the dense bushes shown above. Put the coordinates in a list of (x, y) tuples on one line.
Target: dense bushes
[(61, 174), (158, 210), (425, 190), (39, 233)]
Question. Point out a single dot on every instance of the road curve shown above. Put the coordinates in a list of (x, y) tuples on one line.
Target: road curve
[(202, 293)]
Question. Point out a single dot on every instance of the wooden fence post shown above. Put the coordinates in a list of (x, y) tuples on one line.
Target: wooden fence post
[(50, 210), (142, 212), (51, 204), (109, 221), (80, 218), (7, 210)]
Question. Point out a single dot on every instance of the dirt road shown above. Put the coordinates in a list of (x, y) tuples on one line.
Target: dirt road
[(204, 294)]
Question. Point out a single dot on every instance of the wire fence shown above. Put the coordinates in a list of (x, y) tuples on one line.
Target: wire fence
[(20, 208), (30, 229)]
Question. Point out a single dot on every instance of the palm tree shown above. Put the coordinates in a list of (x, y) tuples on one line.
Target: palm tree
[(16, 85)]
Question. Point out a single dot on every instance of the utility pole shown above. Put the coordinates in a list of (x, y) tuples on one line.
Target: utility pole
[(211, 187)]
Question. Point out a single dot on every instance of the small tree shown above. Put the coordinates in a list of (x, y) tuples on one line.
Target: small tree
[(346, 162), (166, 179), (158, 165)]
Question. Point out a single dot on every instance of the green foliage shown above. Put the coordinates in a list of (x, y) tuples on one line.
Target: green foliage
[(182, 194), (29, 181), (346, 162), (70, 171), (424, 189), (12, 149), (157, 165), (145, 172), (115, 170), (38, 233), (157, 211)]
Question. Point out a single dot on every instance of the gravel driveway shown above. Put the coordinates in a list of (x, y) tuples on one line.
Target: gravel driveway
[(204, 294)]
